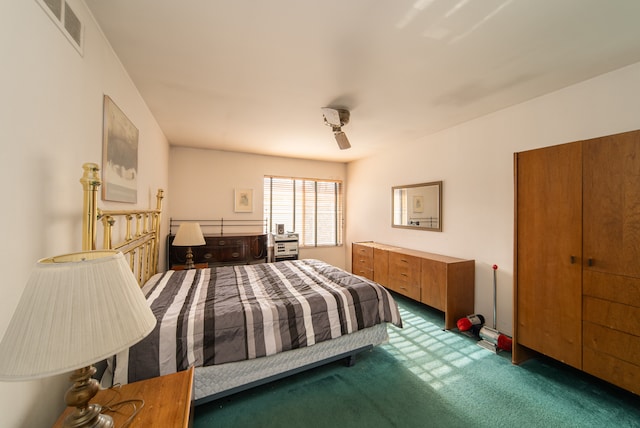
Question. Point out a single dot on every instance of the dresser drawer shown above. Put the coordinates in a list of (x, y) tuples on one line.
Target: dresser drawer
[(362, 253), (361, 270), (228, 254), (620, 345), (225, 242), (614, 288), (610, 314)]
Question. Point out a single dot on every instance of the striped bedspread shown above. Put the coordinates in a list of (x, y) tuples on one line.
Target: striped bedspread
[(233, 313)]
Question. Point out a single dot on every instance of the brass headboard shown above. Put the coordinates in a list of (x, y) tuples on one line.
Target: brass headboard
[(140, 229)]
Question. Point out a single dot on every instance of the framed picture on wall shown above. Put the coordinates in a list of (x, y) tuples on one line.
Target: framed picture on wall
[(418, 204), (243, 200), (119, 155)]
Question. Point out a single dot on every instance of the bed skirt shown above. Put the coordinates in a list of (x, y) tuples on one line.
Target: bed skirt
[(214, 382)]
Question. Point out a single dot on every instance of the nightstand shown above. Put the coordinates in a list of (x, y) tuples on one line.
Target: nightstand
[(167, 401)]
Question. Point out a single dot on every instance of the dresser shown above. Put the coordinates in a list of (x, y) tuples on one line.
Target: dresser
[(220, 250), (442, 282), (577, 276)]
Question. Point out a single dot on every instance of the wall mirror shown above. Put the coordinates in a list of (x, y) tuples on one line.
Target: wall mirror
[(417, 206)]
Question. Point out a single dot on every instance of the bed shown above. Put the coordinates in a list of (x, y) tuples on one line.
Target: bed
[(240, 326)]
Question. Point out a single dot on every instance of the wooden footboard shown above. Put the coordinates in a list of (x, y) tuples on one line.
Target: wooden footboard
[(135, 232)]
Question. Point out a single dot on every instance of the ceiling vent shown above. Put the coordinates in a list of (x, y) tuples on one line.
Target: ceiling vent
[(66, 20)]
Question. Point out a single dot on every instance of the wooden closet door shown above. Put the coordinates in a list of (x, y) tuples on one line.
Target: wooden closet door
[(548, 294), (612, 204)]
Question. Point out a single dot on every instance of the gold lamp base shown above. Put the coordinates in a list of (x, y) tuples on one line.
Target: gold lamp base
[(84, 388), (190, 264)]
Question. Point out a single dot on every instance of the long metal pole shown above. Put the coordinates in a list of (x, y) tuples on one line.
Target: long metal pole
[(495, 268)]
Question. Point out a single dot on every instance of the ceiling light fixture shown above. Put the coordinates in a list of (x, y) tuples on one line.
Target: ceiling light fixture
[(336, 118)]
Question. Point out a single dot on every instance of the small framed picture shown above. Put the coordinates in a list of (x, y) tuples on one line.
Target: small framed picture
[(418, 204), (243, 200)]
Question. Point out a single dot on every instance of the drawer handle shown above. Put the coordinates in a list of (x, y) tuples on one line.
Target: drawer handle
[(220, 242), (404, 274), (403, 260), (235, 254)]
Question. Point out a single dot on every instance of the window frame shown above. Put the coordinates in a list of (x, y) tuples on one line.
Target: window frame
[(300, 208)]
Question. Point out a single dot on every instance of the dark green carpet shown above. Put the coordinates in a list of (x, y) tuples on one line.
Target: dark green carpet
[(426, 377)]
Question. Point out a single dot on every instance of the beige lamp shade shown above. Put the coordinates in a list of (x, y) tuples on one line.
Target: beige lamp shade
[(189, 234), (76, 309)]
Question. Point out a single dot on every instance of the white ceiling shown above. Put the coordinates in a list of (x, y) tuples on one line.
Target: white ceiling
[(252, 76)]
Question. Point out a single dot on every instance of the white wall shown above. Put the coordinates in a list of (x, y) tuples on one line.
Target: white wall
[(202, 184), (475, 162), (51, 122)]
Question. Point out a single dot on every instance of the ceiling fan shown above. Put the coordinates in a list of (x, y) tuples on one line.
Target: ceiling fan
[(336, 118)]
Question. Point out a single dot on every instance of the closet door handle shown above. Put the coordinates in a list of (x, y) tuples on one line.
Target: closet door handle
[(573, 259), (590, 262)]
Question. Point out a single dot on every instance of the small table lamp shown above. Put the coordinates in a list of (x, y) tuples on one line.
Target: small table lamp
[(189, 234), (76, 309)]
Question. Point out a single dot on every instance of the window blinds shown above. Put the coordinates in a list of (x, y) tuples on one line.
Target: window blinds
[(312, 208)]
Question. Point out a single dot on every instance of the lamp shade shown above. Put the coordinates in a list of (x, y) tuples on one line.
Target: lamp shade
[(76, 309), (189, 234)]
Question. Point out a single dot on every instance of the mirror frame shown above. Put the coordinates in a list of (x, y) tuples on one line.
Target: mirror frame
[(401, 226)]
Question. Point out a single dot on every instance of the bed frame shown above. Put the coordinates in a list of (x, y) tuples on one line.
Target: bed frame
[(136, 233)]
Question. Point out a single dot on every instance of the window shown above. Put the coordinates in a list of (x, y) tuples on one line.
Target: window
[(312, 208)]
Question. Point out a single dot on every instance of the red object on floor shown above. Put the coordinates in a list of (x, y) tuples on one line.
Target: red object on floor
[(504, 342), (464, 324), (470, 321)]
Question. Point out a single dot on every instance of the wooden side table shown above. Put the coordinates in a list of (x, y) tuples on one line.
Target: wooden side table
[(167, 401)]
